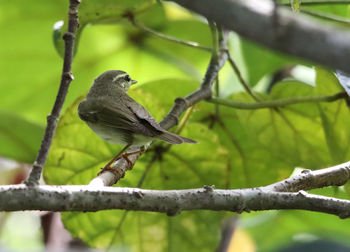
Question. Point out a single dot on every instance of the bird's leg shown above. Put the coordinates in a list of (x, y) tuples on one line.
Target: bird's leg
[(118, 156), (126, 156)]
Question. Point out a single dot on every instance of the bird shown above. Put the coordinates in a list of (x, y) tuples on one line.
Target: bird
[(117, 118)]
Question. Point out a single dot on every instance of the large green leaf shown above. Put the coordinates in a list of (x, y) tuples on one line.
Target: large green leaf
[(287, 227), (265, 145), (77, 154)]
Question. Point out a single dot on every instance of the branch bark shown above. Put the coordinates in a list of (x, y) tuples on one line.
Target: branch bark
[(172, 202), (66, 79), (280, 30)]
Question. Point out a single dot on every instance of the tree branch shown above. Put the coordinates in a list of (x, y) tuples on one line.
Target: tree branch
[(334, 176), (278, 102), (204, 92), (283, 31), (172, 202), (66, 79)]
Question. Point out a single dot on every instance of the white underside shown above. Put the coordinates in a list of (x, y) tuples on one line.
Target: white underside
[(114, 136)]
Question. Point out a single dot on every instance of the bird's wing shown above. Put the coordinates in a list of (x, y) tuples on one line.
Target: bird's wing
[(146, 124), (112, 115), (129, 115)]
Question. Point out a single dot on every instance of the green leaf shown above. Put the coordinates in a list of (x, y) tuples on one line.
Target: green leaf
[(294, 225), (108, 12), (19, 138), (77, 154), (334, 116), (262, 61), (266, 145)]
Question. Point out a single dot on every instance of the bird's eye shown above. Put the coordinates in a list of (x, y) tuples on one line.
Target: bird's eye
[(127, 78)]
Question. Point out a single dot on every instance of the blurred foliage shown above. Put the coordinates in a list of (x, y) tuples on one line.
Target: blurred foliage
[(238, 148)]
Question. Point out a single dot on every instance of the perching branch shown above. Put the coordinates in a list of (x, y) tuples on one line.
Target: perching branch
[(296, 35), (66, 79), (218, 59), (278, 103)]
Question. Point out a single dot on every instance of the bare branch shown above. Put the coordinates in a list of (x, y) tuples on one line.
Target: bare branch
[(66, 79), (307, 180), (296, 35), (172, 202)]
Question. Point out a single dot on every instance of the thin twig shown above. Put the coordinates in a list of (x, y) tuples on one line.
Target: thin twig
[(311, 3), (278, 102), (325, 16), (184, 120), (245, 85), (167, 37), (66, 78), (204, 92)]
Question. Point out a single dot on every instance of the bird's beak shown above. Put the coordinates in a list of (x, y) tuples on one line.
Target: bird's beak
[(133, 82)]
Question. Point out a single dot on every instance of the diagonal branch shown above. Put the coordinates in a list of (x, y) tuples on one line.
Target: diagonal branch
[(280, 30), (66, 79)]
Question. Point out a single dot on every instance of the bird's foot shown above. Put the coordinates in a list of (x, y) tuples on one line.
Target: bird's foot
[(108, 168), (126, 157)]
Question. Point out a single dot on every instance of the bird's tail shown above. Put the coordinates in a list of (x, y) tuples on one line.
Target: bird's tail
[(174, 139)]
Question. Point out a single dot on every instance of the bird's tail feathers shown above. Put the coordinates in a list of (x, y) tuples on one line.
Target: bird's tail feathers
[(174, 139)]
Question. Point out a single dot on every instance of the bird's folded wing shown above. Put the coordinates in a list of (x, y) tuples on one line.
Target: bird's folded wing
[(133, 118)]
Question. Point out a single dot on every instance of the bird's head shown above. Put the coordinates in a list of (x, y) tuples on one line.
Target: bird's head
[(114, 79)]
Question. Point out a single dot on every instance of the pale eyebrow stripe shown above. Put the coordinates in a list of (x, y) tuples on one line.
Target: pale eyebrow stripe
[(119, 76)]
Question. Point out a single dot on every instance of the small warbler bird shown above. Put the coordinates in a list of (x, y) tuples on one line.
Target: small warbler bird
[(117, 118)]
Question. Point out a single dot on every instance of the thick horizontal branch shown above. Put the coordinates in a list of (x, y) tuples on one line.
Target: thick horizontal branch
[(279, 29), (278, 102), (88, 198)]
